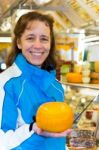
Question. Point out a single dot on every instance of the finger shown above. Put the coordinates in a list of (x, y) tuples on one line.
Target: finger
[(67, 132), (47, 134), (39, 131)]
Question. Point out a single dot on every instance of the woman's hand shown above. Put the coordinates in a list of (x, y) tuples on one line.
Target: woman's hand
[(41, 132), (52, 134)]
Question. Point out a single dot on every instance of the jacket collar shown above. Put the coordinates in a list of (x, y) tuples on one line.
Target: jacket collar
[(29, 69)]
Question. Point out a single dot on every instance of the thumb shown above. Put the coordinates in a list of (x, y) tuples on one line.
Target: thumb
[(68, 131), (36, 128)]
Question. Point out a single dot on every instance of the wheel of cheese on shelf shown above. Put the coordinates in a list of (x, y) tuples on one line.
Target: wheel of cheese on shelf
[(54, 116), (74, 77), (96, 66), (94, 78)]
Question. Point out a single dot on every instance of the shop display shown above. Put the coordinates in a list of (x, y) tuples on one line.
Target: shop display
[(84, 101)]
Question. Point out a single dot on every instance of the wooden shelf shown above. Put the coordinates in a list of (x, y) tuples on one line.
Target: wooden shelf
[(91, 86)]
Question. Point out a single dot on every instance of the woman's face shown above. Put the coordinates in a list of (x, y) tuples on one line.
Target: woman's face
[(35, 42)]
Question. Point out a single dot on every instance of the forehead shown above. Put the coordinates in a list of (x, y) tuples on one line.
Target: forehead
[(36, 23)]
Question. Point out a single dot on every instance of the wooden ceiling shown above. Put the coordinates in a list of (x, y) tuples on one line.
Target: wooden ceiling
[(67, 13)]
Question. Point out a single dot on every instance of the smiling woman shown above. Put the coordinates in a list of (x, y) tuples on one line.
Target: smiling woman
[(30, 81)]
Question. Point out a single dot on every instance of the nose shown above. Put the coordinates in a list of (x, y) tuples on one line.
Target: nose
[(37, 43)]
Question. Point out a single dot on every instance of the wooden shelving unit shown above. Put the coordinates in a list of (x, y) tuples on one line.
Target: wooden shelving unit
[(91, 86)]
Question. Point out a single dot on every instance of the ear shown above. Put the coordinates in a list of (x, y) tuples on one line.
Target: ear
[(18, 44)]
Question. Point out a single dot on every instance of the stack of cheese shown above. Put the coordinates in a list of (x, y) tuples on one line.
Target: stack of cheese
[(86, 72), (76, 75), (95, 75)]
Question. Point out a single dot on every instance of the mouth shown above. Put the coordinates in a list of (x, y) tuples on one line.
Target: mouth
[(36, 53)]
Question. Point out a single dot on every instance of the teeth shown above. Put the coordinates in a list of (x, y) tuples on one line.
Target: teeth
[(35, 53)]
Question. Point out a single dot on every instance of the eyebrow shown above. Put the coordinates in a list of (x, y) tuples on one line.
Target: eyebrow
[(43, 35), (31, 34)]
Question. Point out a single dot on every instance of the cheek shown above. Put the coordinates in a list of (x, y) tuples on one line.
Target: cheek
[(26, 47), (47, 47), (46, 54)]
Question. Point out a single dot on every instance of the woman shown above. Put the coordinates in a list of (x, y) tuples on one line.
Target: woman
[(30, 81)]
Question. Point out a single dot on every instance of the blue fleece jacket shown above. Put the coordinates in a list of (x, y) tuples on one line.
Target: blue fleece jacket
[(24, 93)]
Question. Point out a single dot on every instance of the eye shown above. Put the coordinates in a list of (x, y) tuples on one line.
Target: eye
[(44, 39), (30, 38)]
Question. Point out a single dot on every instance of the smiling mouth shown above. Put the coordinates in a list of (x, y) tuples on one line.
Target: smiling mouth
[(36, 53)]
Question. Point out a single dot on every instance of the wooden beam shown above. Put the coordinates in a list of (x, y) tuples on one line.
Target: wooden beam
[(94, 16), (72, 15)]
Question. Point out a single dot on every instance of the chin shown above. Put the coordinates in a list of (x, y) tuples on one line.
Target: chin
[(37, 64)]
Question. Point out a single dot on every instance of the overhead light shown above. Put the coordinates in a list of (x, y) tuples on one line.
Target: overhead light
[(6, 25), (20, 12), (41, 2), (3, 66), (91, 38), (5, 39)]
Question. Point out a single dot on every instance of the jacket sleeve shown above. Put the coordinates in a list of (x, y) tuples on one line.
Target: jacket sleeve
[(12, 139), (11, 136)]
